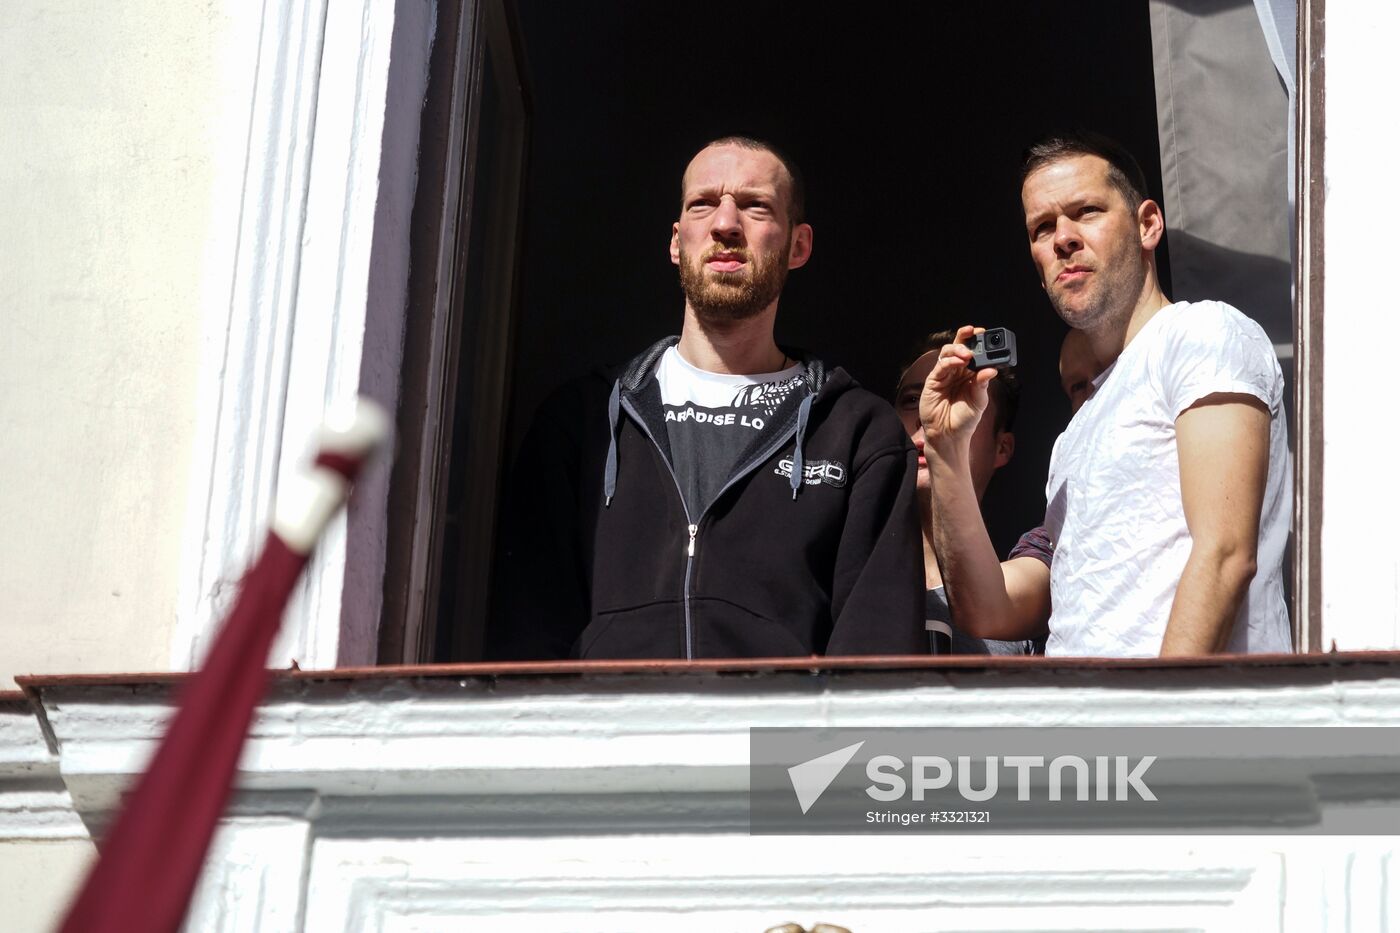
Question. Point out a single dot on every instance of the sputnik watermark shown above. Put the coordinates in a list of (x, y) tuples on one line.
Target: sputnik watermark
[(1115, 777), (1072, 780), (811, 778)]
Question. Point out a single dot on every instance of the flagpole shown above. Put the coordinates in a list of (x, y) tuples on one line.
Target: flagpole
[(152, 856)]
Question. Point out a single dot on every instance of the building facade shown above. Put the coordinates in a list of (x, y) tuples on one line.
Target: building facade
[(216, 230)]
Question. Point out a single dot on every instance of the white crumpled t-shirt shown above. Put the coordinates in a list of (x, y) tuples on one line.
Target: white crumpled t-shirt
[(1114, 494)]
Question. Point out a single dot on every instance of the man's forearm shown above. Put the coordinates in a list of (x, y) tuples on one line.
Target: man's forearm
[(1213, 585), (971, 569)]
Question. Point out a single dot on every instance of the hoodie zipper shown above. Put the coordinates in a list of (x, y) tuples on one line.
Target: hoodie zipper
[(693, 526)]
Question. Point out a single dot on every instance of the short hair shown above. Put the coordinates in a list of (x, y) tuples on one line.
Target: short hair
[(797, 188), (1124, 172), (1005, 389)]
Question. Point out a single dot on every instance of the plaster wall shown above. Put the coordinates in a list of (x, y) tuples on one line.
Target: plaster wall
[(112, 126), (1360, 575), (39, 877)]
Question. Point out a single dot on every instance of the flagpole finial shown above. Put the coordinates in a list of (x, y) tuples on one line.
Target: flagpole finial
[(354, 430), (309, 498)]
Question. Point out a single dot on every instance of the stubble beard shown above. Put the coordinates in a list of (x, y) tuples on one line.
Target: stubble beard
[(1083, 312), (728, 297), (1110, 298)]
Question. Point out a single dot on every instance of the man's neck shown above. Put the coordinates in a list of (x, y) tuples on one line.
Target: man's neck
[(1110, 341), (737, 348)]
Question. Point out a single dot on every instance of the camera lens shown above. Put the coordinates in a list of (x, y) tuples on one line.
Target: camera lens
[(996, 339)]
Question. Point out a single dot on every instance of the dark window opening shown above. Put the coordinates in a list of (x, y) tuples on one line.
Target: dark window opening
[(909, 129), (908, 124)]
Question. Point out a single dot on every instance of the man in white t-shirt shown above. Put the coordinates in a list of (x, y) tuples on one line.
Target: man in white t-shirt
[(1168, 498), (720, 495)]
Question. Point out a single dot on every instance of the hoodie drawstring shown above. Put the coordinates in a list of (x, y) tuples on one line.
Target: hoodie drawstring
[(610, 468), (803, 411)]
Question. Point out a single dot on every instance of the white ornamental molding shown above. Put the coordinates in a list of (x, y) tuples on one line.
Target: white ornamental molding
[(706, 883), (248, 328), (34, 803), (318, 232), (254, 879), (609, 802), (643, 740)]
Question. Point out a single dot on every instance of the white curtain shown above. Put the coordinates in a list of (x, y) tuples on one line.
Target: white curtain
[(1279, 20)]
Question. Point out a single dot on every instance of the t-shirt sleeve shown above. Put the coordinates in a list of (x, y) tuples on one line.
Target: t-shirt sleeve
[(1034, 543), (1214, 348)]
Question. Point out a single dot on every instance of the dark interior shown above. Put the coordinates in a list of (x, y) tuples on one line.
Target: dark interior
[(908, 121)]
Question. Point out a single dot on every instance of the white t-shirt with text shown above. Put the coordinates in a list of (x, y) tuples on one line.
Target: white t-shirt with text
[(1114, 494), (713, 418)]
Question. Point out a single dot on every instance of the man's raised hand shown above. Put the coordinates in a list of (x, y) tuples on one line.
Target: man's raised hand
[(954, 395)]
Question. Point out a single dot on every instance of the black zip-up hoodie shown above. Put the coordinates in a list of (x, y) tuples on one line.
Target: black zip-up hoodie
[(812, 547)]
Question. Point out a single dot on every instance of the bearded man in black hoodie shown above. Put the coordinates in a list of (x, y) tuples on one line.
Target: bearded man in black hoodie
[(718, 496)]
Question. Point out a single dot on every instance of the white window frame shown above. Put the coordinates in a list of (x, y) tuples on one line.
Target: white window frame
[(312, 312)]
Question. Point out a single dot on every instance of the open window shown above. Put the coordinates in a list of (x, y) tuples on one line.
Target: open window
[(458, 344), (554, 140)]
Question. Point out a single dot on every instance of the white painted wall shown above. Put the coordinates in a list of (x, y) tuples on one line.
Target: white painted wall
[(39, 877), (111, 123), (196, 229), (1360, 570)]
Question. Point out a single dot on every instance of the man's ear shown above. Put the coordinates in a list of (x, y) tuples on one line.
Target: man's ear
[(675, 244), (801, 246), (1006, 447), (1151, 224)]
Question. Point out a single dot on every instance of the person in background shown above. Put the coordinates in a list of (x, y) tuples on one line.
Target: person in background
[(1078, 369), (992, 446)]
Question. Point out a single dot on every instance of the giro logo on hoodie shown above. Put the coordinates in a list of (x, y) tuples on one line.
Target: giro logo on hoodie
[(829, 472)]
